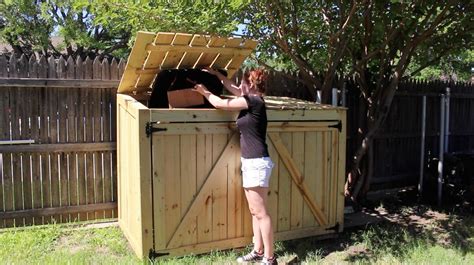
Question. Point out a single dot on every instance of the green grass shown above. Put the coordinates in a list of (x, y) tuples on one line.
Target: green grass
[(445, 242)]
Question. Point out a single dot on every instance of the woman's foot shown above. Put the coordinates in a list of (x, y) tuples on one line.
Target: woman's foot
[(269, 261), (252, 256)]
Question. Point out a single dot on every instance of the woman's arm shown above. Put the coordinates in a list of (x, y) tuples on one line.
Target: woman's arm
[(226, 104), (228, 84)]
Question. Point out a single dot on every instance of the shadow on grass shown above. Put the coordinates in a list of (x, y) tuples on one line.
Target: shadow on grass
[(409, 228)]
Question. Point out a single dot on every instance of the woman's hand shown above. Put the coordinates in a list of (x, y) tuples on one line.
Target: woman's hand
[(211, 71), (201, 89)]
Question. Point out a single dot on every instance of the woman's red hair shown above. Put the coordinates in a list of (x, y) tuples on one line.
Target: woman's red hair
[(258, 77)]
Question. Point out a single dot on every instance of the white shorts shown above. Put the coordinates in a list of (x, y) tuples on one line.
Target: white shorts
[(256, 172)]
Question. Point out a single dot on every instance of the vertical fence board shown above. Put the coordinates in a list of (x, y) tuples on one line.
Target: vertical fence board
[(27, 186), (23, 66), (52, 67), (61, 68), (2, 206), (114, 71), (13, 71), (4, 114), (8, 194), (3, 66)]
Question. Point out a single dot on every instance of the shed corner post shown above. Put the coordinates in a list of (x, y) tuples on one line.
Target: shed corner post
[(341, 169), (145, 164)]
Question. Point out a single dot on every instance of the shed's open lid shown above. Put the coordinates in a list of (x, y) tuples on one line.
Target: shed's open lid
[(153, 52)]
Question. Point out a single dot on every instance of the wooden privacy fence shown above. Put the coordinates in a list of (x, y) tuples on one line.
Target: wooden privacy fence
[(65, 111)]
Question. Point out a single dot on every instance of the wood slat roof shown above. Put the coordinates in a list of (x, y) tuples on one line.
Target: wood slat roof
[(153, 52)]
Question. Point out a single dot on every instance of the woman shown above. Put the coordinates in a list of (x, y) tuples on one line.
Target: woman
[(256, 162)]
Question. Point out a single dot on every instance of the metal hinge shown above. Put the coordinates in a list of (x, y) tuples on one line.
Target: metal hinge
[(337, 126), (153, 255), (149, 129)]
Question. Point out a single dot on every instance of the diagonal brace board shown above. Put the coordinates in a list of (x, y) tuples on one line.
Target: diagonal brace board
[(297, 177), (205, 191)]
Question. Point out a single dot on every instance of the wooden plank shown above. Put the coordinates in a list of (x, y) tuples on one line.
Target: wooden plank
[(96, 69), (174, 57), (106, 156), (32, 67), (98, 183), (273, 193), (173, 185), (246, 49), (8, 192), (312, 176), (57, 148), (212, 115), (71, 68), (210, 246), (341, 176), (297, 154), (52, 67), (224, 59), (154, 60), (4, 113), (81, 183), (114, 180), (105, 69), (88, 69), (297, 178), (27, 186), (198, 49), (2, 205), (335, 164), (43, 114), (219, 192), (61, 68), (36, 183), (3, 66), (90, 187), (208, 58), (17, 129), (81, 157), (18, 186), (13, 66), (325, 174), (114, 71), (284, 194), (57, 210), (234, 216), (159, 180), (64, 185), (188, 182), (204, 165), (45, 184), (55, 185), (43, 67), (136, 60), (23, 66), (192, 55), (34, 108), (205, 194)]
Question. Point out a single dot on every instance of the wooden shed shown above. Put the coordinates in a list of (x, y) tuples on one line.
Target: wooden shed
[(179, 179)]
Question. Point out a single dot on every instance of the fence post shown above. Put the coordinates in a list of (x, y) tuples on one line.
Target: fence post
[(422, 153), (334, 96), (441, 148), (446, 135), (343, 94)]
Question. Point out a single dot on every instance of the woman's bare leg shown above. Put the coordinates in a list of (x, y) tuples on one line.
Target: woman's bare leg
[(261, 221)]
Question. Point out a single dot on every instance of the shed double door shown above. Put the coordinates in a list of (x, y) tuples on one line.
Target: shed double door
[(198, 200)]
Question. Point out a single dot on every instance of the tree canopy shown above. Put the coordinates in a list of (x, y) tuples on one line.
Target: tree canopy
[(378, 43)]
